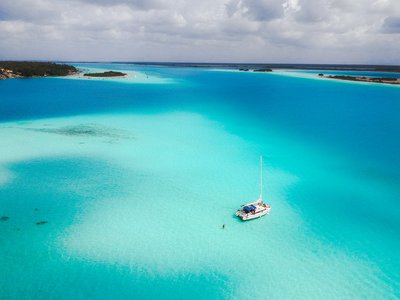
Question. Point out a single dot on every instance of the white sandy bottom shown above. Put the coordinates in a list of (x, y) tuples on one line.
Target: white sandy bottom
[(131, 77), (186, 176)]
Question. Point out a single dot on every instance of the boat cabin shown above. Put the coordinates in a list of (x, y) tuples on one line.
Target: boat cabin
[(249, 208)]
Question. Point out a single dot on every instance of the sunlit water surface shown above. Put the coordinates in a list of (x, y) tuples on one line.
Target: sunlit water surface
[(135, 178)]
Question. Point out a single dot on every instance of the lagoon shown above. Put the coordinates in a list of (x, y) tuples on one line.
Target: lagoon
[(135, 178)]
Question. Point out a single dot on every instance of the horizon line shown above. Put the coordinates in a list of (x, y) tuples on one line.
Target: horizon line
[(202, 63)]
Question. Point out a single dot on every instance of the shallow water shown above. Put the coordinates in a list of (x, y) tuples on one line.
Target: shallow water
[(135, 181)]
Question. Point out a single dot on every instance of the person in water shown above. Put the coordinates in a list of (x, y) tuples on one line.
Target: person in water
[(223, 226)]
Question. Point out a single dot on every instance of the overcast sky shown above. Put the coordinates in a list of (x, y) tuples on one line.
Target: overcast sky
[(296, 31)]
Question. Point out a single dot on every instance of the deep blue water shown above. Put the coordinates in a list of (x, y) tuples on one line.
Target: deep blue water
[(360, 119)]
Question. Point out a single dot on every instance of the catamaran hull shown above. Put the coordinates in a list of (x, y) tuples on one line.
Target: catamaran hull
[(251, 216)]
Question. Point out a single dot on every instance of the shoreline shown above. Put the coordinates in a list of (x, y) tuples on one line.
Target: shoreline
[(29, 69), (367, 79), (313, 76), (105, 74), (274, 66), (14, 75)]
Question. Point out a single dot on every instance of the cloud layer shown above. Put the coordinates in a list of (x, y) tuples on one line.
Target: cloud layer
[(307, 31)]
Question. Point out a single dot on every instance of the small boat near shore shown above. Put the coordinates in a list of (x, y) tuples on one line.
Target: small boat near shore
[(255, 209)]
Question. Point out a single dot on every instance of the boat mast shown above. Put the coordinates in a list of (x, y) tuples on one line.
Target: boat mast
[(261, 177)]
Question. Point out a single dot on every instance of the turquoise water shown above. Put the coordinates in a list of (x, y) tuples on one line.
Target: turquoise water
[(135, 178)]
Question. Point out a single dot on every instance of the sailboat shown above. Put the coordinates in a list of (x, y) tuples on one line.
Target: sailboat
[(255, 209)]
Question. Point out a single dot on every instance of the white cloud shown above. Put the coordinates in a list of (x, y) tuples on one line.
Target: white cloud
[(326, 31)]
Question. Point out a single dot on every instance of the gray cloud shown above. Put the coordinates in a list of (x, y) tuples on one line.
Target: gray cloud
[(391, 25), (28, 11), (138, 4), (260, 10), (315, 11), (331, 31)]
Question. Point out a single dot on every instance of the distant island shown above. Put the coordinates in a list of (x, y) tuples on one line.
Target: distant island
[(27, 69), (255, 70), (252, 66), (386, 80), (105, 74)]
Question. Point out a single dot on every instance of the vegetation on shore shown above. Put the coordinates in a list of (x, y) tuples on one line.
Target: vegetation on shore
[(25, 69), (105, 74), (387, 80), (262, 70), (255, 70)]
